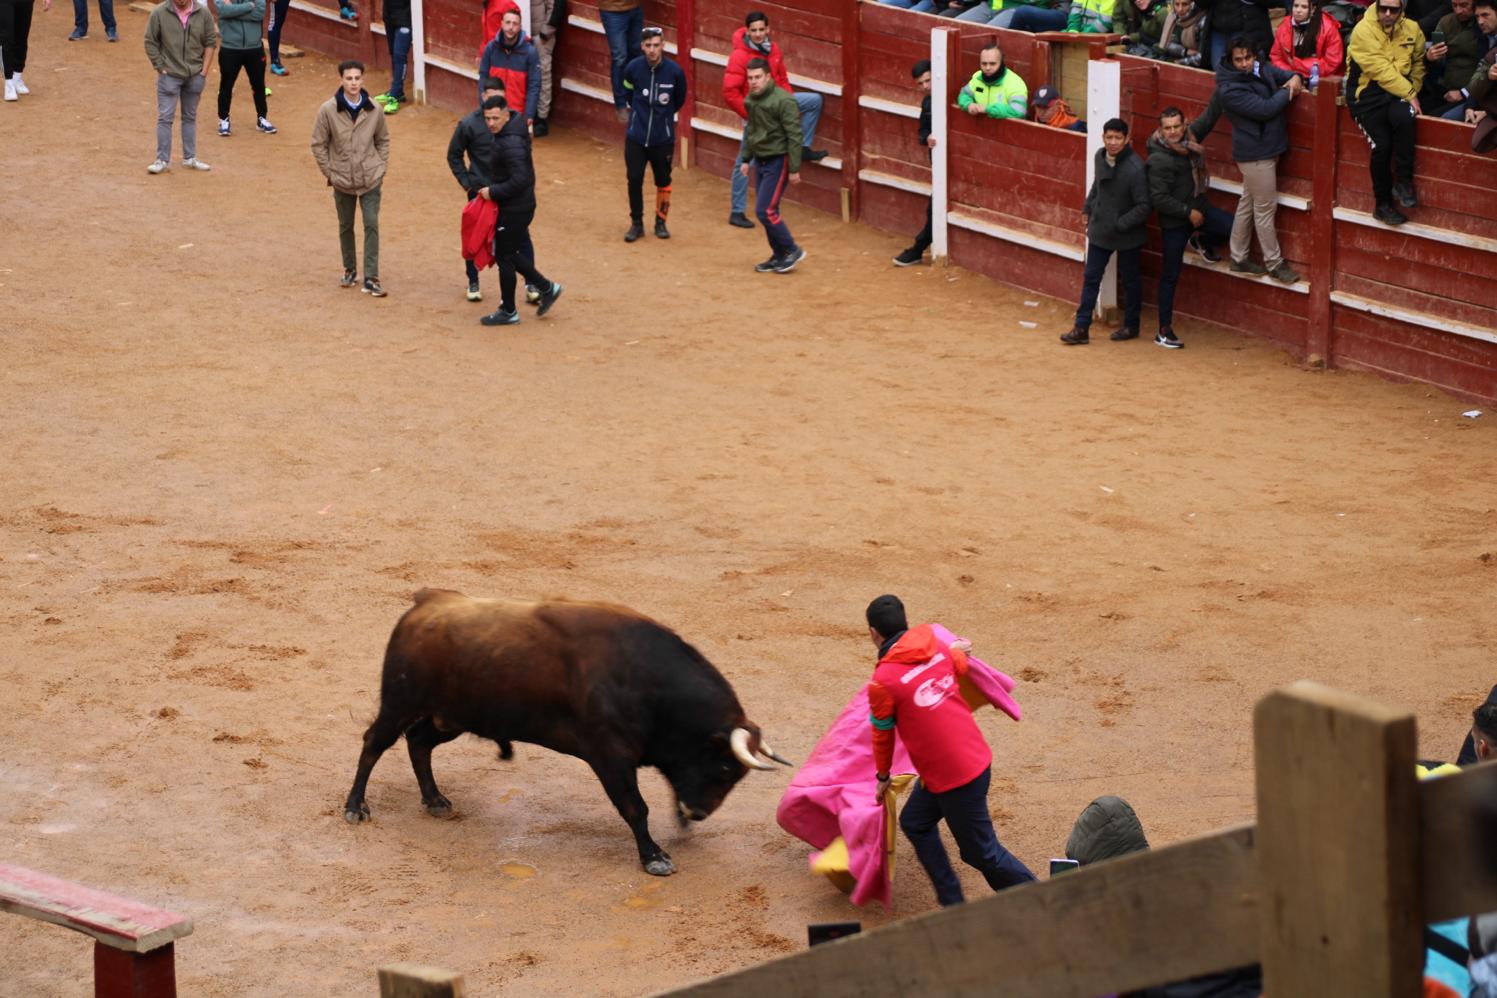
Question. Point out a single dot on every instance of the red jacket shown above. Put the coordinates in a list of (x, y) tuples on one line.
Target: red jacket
[(479, 220), (915, 688), (735, 77), (1329, 51)]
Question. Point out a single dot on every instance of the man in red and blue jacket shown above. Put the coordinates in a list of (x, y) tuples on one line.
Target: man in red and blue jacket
[(512, 58), (916, 690)]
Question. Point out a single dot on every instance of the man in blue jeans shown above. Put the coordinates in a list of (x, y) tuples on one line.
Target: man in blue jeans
[(623, 20), (1178, 184), (80, 20), (1117, 212), (773, 140)]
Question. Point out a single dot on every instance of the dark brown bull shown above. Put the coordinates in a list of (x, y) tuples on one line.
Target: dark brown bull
[(599, 682)]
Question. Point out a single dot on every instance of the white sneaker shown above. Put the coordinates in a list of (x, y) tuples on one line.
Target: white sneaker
[(223, 126), (160, 166), (264, 125), (21, 87), (196, 164), (10, 89)]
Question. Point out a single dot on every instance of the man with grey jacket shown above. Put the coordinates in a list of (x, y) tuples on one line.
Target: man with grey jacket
[(180, 39), (239, 24), (351, 144), (1117, 211)]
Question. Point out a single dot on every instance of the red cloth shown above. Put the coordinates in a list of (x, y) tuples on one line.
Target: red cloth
[(917, 686), (735, 77), (479, 220), (1329, 51)]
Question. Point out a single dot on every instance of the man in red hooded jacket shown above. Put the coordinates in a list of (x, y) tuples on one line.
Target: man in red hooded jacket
[(750, 42), (915, 690)]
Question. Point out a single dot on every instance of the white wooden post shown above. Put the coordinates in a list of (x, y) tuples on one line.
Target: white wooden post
[(1104, 84), (418, 49), (940, 100)]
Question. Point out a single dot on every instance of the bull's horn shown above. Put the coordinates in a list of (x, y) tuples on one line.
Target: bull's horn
[(770, 753), (740, 742)]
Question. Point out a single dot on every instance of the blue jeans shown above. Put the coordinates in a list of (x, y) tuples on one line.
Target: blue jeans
[(1133, 292), (400, 51), (965, 811), (1031, 18), (1215, 230), (80, 15), (983, 13), (810, 114), (918, 6), (1456, 112), (772, 177), (622, 29)]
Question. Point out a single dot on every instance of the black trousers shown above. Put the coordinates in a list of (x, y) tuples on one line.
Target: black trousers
[(229, 63), (1389, 127), (659, 158), (926, 236), (15, 29), (513, 253)]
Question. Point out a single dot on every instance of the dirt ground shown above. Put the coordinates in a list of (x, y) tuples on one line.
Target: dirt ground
[(224, 476)]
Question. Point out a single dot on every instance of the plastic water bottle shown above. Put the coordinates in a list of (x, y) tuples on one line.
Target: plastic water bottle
[(1314, 74)]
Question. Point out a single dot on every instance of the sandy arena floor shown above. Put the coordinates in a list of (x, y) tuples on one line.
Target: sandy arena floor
[(224, 476)]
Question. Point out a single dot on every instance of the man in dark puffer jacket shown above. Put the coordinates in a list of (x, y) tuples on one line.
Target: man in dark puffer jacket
[(1117, 211)]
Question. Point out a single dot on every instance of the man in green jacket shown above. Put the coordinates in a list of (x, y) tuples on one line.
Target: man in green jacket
[(994, 90), (772, 141), (240, 23), (180, 39)]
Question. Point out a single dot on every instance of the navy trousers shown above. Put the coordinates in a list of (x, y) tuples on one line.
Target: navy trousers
[(965, 811)]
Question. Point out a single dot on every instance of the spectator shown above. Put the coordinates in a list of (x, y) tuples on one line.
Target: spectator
[(1255, 97), (657, 89), (1387, 56), (351, 144), (1483, 112), (1233, 18), (623, 20), (546, 20), (772, 138), (1049, 108), (1116, 213), (1141, 23), (397, 18), (15, 36), (1460, 43), (994, 90), (1019, 15), (1178, 184), (239, 25), (80, 20), (750, 42), (512, 170), (469, 155), (180, 39), (512, 58), (918, 6), (916, 252), (279, 9), (1091, 17), (1186, 35), (1308, 42)]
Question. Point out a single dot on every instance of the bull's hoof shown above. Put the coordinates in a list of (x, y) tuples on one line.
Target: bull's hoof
[(438, 807), (355, 816), (661, 866)]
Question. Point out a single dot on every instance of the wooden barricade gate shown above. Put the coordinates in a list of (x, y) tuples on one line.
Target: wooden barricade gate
[(1330, 890)]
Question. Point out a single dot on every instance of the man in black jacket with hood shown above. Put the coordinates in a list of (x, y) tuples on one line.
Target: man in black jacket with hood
[(512, 187), (471, 147), (1117, 214), (916, 252)]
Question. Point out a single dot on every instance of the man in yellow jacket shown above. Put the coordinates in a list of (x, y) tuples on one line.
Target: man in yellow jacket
[(1387, 70), (994, 90)]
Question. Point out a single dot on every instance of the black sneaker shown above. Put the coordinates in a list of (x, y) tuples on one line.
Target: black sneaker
[(1166, 339), (374, 288), (635, 231), (1389, 215), (1284, 273), (809, 155), (1125, 333), (548, 298), (1404, 195), (1202, 250), (541, 129), (909, 257), (501, 316), (789, 260), (1249, 266), (1076, 338), (661, 232), (768, 265), (739, 219)]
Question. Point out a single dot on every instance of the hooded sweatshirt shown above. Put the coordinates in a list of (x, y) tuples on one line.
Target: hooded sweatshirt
[(1108, 828), (516, 63), (915, 688)]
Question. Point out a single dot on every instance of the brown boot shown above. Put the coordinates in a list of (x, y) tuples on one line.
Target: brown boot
[(1076, 338)]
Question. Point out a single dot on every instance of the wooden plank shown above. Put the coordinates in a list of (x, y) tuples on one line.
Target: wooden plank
[(116, 921), (1338, 838), (409, 980), (120, 974), (1457, 826), (1206, 920), (1323, 231)]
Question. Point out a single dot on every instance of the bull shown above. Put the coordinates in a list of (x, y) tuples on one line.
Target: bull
[(599, 682)]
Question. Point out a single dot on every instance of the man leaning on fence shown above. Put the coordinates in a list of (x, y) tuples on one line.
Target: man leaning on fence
[(1386, 72)]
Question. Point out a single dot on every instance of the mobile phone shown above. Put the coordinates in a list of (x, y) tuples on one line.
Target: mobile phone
[(825, 932), (1437, 38), (1059, 866)]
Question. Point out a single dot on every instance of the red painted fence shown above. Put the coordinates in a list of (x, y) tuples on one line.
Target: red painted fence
[(1418, 302)]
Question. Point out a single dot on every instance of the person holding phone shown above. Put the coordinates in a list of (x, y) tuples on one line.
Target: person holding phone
[(1456, 46)]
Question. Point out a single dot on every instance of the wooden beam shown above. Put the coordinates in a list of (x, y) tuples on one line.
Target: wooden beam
[(1457, 826), (409, 980), (1323, 224), (1172, 913), (686, 33), (1338, 837), (852, 119), (121, 974)]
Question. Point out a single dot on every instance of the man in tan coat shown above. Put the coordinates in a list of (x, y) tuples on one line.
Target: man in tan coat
[(351, 144)]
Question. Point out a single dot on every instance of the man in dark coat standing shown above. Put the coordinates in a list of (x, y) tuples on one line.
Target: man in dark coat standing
[(512, 187), (470, 148), (1178, 184), (1117, 211)]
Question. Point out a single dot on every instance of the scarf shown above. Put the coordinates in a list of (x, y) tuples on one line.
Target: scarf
[(759, 48), (1192, 150), (1307, 35)]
